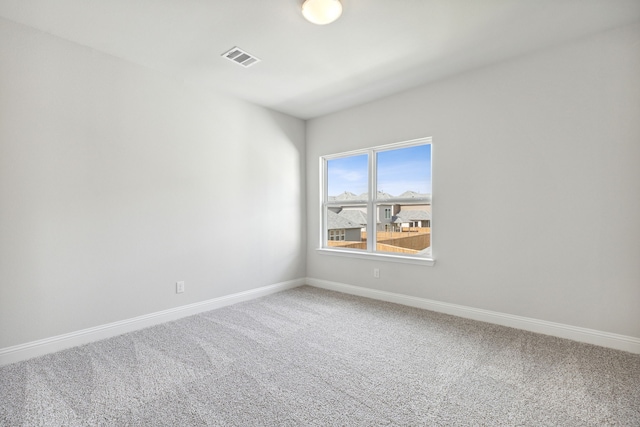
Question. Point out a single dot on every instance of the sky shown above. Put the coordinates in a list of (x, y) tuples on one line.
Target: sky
[(399, 170)]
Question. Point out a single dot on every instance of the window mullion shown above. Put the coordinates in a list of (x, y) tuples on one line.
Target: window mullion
[(371, 206), (324, 199)]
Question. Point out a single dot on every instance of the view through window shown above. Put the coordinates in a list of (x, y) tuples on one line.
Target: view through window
[(379, 199)]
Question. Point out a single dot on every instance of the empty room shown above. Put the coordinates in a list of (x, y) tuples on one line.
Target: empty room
[(320, 212)]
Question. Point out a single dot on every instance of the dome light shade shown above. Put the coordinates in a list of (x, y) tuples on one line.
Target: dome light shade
[(321, 12)]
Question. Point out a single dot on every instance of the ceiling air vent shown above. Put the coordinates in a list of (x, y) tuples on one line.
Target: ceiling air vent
[(240, 57)]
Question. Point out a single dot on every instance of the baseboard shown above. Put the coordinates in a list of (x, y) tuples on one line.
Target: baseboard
[(49, 345), (590, 336)]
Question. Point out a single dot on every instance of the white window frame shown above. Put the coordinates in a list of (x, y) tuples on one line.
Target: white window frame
[(372, 206)]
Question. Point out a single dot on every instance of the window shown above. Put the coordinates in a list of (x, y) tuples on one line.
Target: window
[(377, 201), (336, 234)]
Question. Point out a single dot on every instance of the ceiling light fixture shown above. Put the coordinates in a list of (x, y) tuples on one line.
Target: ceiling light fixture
[(321, 12)]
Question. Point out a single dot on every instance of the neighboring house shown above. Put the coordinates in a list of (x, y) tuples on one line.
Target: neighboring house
[(340, 228), (348, 196), (414, 195), (355, 214), (386, 215), (414, 216), (389, 217), (382, 195)]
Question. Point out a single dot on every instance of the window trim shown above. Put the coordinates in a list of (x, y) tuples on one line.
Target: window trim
[(372, 204), (376, 256)]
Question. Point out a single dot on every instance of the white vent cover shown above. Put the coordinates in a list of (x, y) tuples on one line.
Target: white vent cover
[(240, 57)]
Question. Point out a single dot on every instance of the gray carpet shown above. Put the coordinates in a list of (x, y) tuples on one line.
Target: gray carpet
[(312, 357)]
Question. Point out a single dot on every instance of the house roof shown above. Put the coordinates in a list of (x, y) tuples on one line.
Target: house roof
[(336, 222), (412, 215), (354, 215), (349, 196), (414, 195)]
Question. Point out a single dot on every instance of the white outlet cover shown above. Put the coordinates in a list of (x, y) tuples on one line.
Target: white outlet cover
[(179, 287)]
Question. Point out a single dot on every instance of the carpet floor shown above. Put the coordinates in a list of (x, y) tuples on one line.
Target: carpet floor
[(307, 357)]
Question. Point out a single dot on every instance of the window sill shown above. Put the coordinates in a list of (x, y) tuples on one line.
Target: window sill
[(377, 256)]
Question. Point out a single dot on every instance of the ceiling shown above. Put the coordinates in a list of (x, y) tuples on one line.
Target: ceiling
[(377, 47)]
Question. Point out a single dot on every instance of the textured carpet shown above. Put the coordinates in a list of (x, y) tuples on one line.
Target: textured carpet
[(313, 357)]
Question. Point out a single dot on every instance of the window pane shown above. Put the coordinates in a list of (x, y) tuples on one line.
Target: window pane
[(404, 172), (346, 226), (347, 178), (408, 231)]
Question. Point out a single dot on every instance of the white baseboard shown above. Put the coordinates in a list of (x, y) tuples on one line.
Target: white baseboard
[(49, 345), (590, 336)]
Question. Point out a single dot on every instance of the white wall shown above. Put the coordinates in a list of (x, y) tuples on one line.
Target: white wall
[(536, 185), (116, 181)]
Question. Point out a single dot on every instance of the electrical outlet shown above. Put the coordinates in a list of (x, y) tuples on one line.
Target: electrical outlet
[(179, 287), (376, 273)]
